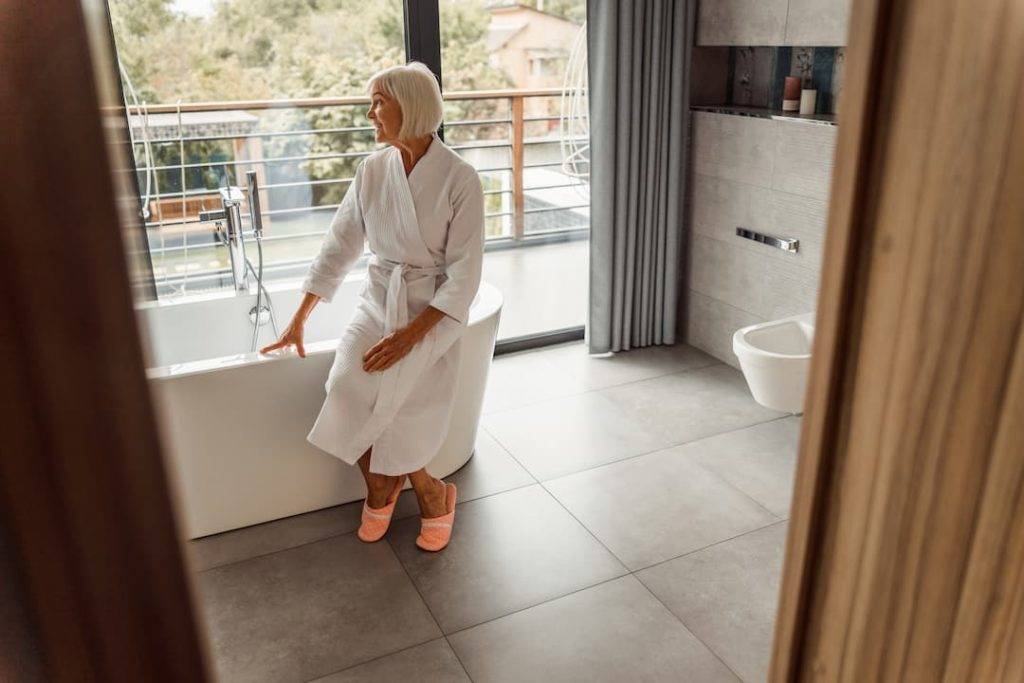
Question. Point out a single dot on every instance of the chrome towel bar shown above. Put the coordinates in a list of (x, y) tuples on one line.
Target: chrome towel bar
[(783, 243)]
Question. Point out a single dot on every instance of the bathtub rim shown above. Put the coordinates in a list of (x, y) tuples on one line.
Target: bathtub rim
[(488, 302)]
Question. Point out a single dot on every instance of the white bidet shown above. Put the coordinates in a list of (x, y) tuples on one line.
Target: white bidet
[(775, 357)]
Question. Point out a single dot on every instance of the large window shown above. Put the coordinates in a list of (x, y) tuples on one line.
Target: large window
[(209, 78), (218, 88), (516, 106)]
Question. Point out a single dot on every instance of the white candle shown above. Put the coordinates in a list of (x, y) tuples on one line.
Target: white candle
[(808, 98)]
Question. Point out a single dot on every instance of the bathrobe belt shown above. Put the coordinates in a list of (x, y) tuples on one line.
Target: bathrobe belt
[(396, 316)]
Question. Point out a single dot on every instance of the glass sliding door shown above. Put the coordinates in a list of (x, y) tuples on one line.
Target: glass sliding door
[(514, 80)]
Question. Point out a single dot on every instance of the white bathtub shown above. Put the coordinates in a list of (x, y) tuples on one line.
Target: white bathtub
[(234, 425)]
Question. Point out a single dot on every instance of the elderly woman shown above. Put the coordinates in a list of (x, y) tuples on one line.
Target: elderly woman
[(391, 387)]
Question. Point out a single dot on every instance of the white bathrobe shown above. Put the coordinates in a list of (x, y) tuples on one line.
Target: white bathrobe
[(426, 232)]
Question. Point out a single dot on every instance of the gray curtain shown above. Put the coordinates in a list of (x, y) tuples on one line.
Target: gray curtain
[(639, 73)]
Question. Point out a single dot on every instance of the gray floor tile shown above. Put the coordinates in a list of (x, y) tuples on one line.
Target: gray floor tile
[(691, 405), (758, 460), (600, 371), (616, 631), (727, 595), (311, 610), (524, 378), (432, 662), (566, 435), (657, 506), (242, 544), (491, 470), (509, 551)]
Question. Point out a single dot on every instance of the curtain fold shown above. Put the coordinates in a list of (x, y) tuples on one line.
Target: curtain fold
[(639, 76)]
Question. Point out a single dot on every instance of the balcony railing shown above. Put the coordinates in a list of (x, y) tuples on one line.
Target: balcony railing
[(516, 149)]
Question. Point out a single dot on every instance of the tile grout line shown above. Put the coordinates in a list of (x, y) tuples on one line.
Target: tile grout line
[(557, 597), (542, 602), (373, 659), (405, 571), (458, 658), (682, 623), (709, 546), (714, 362), (511, 455), (437, 623), (734, 487), (587, 529), (689, 552), (427, 605), (658, 450)]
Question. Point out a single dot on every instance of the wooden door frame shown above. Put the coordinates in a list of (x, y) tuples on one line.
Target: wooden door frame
[(889, 481), (84, 495)]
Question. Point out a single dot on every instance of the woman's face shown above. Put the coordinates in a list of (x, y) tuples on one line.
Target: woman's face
[(386, 116)]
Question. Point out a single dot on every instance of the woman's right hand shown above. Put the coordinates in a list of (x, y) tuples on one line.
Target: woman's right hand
[(291, 336)]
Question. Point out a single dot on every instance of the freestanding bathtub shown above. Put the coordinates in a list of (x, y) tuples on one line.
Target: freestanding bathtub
[(235, 424)]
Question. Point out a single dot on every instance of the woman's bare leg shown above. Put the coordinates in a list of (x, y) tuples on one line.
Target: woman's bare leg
[(430, 493), (378, 486)]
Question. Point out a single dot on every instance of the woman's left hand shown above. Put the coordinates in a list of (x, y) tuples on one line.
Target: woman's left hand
[(390, 350)]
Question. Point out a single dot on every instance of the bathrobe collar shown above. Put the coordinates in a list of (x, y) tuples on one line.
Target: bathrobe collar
[(406, 208), (428, 158)]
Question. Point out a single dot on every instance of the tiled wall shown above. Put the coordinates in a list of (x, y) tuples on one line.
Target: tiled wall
[(768, 175), (772, 22)]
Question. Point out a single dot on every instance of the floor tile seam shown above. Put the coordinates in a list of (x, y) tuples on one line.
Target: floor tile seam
[(573, 394), (729, 430), (465, 670), (623, 561), (412, 582), (653, 451), (689, 630), (728, 483), (734, 487), (374, 659), (508, 452), (347, 533), (709, 546), (470, 627), (586, 528)]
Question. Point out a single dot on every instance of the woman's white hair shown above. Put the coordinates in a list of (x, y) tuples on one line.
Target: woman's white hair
[(415, 88)]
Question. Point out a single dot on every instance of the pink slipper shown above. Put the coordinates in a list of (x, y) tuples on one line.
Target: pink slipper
[(435, 532), (375, 521)]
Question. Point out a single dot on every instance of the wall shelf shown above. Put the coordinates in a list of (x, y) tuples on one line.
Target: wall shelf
[(766, 113)]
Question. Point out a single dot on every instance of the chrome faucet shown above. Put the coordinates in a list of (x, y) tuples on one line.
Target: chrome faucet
[(230, 215)]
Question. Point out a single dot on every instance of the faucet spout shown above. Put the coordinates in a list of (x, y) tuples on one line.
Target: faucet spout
[(231, 215)]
